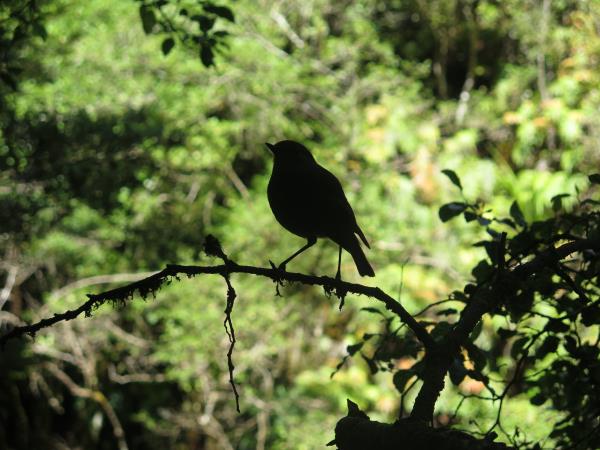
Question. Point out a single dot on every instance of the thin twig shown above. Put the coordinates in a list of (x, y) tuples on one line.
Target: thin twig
[(228, 324), (96, 396), (8, 285), (99, 279), (517, 373)]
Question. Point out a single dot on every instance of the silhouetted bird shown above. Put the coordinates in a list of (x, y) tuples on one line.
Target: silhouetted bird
[(309, 201)]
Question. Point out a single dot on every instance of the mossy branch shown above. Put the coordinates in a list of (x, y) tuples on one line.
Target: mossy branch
[(150, 285)]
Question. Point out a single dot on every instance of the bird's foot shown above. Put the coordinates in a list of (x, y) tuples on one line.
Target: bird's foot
[(277, 279), (340, 292), (280, 267)]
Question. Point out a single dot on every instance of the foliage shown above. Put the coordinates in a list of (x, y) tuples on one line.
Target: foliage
[(120, 151), (180, 20)]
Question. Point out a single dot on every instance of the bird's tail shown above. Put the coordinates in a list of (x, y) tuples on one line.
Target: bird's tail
[(360, 259)]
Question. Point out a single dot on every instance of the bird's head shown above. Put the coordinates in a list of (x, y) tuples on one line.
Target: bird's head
[(291, 152)]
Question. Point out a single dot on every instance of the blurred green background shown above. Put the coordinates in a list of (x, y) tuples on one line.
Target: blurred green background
[(116, 160)]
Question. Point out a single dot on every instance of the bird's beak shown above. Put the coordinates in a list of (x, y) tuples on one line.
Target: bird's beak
[(270, 147)]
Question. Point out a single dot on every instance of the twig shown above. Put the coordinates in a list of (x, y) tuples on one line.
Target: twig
[(96, 396), (116, 377), (228, 324), (99, 279), (8, 286), (517, 373), (285, 26)]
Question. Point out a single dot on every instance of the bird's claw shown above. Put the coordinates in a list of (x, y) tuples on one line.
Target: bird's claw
[(280, 267), (278, 281)]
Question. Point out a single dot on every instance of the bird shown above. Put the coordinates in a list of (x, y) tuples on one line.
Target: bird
[(309, 201)]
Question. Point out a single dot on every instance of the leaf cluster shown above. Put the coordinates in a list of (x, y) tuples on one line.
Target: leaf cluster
[(192, 24)]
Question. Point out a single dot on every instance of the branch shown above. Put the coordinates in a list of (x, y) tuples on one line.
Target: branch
[(473, 312), (96, 396), (99, 279), (513, 380), (153, 283), (439, 358), (11, 277)]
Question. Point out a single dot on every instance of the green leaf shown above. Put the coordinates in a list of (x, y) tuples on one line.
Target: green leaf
[(517, 214), (556, 326), (518, 346), (590, 315), (506, 221), (453, 177), (589, 201), (483, 221), (371, 363), (447, 312), (571, 346), (505, 333), (39, 30), (492, 249), (457, 372), (401, 377), (207, 56), (221, 11), (450, 210), (148, 19), (477, 356), (167, 46), (372, 310), (594, 178), (352, 349), (557, 201), (549, 345), (538, 399), (470, 216), (459, 296), (205, 23), (478, 376), (482, 271)]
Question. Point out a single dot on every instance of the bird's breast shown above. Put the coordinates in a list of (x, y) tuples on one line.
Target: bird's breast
[(294, 203)]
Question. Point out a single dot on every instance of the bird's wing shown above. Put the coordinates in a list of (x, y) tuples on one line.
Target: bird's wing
[(334, 201), (362, 236)]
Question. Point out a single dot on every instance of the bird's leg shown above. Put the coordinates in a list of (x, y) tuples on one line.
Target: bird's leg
[(309, 243), (338, 275)]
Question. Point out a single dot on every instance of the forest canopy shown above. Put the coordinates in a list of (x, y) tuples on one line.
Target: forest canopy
[(466, 135)]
